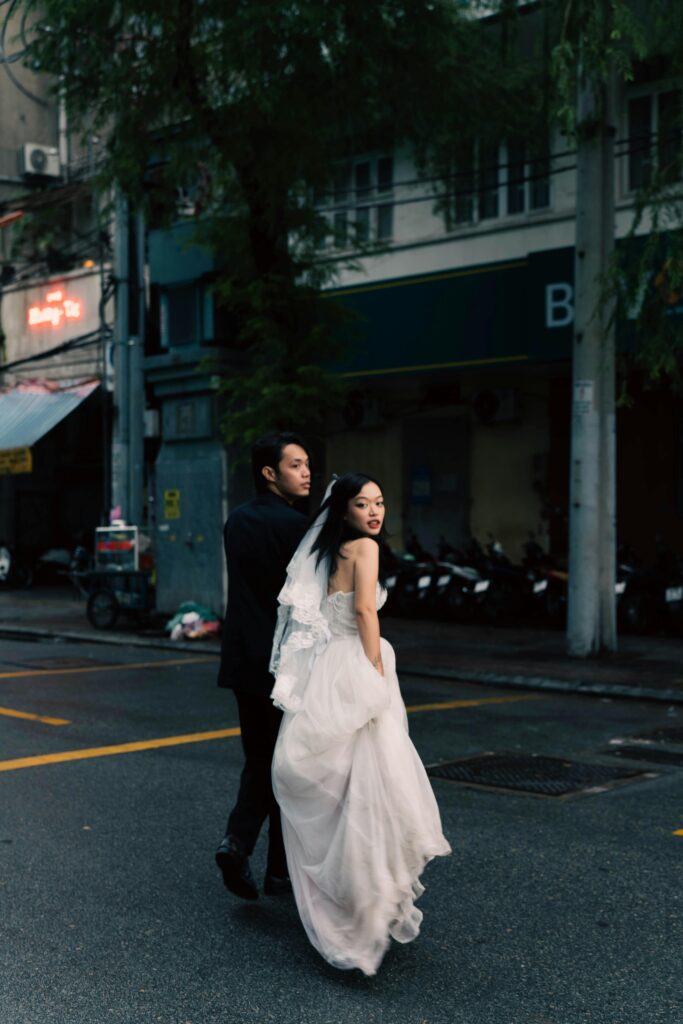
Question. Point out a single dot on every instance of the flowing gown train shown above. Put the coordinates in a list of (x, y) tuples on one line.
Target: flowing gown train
[(359, 817)]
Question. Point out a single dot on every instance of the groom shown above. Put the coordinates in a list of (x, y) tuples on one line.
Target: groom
[(260, 538)]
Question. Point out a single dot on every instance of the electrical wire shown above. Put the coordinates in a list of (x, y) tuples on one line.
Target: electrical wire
[(83, 341)]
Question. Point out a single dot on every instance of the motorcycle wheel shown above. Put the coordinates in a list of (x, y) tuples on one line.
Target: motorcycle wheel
[(497, 608), (5, 563), (455, 604), (23, 576), (555, 609), (404, 602), (102, 609), (635, 612)]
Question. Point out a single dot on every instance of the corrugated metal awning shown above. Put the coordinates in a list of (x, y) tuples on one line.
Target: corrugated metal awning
[(27, 414)]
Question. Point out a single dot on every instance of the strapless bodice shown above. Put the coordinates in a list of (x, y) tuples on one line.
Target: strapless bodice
[(340, 611)]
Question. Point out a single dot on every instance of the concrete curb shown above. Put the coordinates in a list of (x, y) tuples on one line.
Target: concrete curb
[(514, 682), (115, 639), (518, 682)]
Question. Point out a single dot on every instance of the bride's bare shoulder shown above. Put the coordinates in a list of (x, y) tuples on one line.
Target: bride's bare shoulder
[(362, 549)]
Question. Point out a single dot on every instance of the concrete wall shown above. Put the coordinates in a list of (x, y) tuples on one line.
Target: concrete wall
[(507, 466), (377, 452), (505, 462)]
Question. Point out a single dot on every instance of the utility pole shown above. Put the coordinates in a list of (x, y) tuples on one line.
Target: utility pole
[(120, 473), (136, 397), (591, 623)]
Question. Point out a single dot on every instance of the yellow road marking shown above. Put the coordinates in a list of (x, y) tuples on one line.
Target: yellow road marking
[(119, 748), (202, 737), (105, 668), (11, 713), (470, 703), (678, 832)]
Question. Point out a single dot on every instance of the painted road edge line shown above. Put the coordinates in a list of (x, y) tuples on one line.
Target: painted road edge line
[(45, 719), (118, 748), (161, 663), (472, 703), (201, 737)]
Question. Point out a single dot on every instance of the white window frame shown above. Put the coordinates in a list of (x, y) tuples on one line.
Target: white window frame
[(344, 202), (652, 91), (501, 189)]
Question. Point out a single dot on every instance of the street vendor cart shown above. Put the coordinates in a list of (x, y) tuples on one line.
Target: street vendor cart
[(116, 584)]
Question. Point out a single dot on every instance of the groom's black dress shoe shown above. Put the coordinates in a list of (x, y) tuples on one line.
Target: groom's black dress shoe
[(234, 865), (274, 885)]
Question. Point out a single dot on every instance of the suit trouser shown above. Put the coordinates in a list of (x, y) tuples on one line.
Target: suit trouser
[(259, 723)]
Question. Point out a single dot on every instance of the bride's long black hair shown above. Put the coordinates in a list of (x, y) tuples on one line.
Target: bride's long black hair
[(337, 531)]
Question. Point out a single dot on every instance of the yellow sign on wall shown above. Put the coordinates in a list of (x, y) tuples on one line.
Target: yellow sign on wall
[(16, 460), (172, 504)]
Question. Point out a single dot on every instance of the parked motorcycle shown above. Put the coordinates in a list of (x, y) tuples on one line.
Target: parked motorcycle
[(14, 572), (549, 583), (648, 596), (508, 595)]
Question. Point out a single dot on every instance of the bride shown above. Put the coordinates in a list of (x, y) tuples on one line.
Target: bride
[(359, 817)]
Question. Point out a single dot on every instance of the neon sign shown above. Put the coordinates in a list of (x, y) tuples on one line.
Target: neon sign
[(55, 311)]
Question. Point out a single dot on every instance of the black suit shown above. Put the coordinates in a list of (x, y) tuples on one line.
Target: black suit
[(260, 537)]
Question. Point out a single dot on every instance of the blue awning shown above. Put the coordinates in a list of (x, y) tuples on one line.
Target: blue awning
[(27, 413)]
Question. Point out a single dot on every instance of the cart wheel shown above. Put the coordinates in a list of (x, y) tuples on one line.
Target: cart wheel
[(102, 609)]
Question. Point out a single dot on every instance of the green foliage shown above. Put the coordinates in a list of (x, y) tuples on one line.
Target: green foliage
[(634, 41), (250, 104)]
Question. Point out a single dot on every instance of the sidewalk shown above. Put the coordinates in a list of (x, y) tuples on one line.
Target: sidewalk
[(522, 658)]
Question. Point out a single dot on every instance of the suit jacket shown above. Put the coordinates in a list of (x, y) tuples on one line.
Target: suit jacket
[(260, 538)]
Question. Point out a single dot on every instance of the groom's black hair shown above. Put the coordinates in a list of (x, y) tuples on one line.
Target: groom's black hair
[(267, 451)]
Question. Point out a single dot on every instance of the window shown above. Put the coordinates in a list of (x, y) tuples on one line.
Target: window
[(488, 181), (385, 222), (654, 138), (492, 181), (185, 315), (341, 229), (362, 224), (516, 177), (359, 209), (539, 182), (363, 187), (464, 184)]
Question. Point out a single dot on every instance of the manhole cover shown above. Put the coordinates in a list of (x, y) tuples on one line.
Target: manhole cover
[(533, 774), (663, 734), (654, 754)]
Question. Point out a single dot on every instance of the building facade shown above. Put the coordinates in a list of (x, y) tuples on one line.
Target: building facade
[(55, 312), (458, 358), (459, 353)]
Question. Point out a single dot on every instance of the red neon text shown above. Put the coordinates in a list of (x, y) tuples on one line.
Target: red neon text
[(56, 310)]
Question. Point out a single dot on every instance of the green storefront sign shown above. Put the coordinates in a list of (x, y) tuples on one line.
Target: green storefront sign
[(515, 312)]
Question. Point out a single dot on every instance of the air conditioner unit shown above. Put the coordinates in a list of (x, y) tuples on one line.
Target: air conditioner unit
[(39, 161), (496, 406)]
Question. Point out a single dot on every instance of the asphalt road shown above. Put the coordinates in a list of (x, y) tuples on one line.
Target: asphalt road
[(115, 780)]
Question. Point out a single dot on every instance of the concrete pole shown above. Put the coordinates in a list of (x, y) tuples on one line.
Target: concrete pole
[(136, 397), (608, 419), (591, 624), (120, 452)]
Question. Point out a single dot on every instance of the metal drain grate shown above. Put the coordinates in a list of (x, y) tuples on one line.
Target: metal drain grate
[(654, 754), (533, 774)]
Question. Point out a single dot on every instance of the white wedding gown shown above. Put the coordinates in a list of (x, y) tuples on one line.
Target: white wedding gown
[(359, 817)]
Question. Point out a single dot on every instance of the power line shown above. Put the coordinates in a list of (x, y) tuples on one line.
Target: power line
[(83, 341)]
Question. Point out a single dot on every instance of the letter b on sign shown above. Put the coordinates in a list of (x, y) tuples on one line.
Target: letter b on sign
[(559, 305)]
